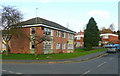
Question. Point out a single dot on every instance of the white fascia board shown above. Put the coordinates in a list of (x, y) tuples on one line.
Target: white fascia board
[(108, 34), (48, 27), (79, 36)]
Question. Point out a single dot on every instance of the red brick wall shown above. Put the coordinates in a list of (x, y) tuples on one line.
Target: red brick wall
[(20, 44), (61, 41), (39, 32), (110, 38), (81, 41)]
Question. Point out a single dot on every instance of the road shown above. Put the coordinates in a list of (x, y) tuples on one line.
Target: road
[(107, 64)]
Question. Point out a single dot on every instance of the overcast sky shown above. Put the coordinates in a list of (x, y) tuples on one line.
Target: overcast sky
[(74, 13)]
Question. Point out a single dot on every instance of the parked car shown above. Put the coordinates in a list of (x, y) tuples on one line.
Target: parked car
[(111, 49), (117, 47), (107, 45)]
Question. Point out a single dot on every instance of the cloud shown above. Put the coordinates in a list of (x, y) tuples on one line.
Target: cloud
[(99, 13), (47, 1)]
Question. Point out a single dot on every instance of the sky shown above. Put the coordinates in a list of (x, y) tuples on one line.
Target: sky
[(73, 14)]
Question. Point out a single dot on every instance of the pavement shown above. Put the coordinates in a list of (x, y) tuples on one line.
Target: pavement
[(70, 60)]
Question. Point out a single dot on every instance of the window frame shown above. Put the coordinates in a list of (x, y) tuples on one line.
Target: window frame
[(58, 34), (58, 46)]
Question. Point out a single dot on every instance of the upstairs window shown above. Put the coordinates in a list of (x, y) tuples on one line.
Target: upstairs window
[(48, 31), (78, 38), (58, 33), (105, 36), (32, 31), (63, 34), (70, 36)]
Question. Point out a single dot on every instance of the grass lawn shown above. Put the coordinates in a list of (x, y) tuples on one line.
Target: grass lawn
[(78, 52)]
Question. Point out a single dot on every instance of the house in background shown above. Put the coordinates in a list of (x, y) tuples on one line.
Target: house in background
[(62, 37), (79, 39), (108, 38), (0, 40), (105, 39)]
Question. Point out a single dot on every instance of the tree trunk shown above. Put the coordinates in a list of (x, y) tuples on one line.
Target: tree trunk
[(7, 48), (35, 51)]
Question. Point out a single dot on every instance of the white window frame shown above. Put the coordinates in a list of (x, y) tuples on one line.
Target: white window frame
[(58, 34), (45, 43), (70, 36), (63, 34), (105, 36), (78, 38), (70, 46), (58, 46), (47, 31), (63, 46), (78, 43), (31, 30), (31, 45)]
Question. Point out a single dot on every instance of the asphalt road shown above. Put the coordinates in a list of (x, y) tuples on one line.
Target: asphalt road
[(107, 64)]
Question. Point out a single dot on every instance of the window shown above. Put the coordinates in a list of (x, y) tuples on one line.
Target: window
[(47, 45), (48, 31), (63, 34), (57, 46), (78, 43), (70, 46), (106, 42), (105, 36), (78, 38), (32, 45), (70, 36), (63, 46), (58, 33), (32, 31)]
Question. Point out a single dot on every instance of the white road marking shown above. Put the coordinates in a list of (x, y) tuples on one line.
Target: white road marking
[(111, 58), (87, 72), (4, 70), (10, 72), (18, 73), (101, 64)]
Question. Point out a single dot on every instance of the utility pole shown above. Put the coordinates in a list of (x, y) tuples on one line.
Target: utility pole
[(67, 25), (36, 14)]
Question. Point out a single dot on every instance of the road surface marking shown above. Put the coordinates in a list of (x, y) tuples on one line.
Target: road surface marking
[(4, 70), (101, 64), (111, 58), (10, 72), (87, 72), (18, 73)]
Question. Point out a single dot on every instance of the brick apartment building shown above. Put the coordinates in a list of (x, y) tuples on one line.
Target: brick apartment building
[(105, 39), (62, 37), (0, 40), (109, 38), (79, 39)]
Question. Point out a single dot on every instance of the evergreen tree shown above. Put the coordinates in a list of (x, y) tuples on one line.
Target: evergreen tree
[(118, 34), (91, 34)]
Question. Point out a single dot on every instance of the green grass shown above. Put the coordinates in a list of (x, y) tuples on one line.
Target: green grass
[(77, 53), (0, 56)]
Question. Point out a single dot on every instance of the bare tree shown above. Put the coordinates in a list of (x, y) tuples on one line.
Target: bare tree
[(10, 16), (38, 40)]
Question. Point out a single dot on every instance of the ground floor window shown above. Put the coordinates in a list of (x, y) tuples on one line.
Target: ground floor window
[(58, 46), (32, 45), (70, 46), (63, 46), (47, 45)]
